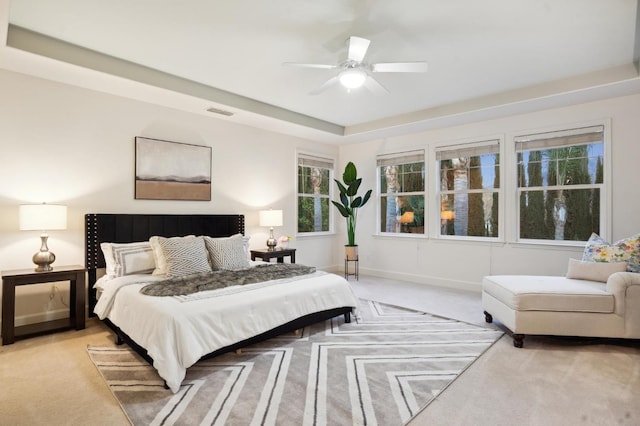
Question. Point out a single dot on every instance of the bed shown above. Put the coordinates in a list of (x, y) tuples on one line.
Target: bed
[(173, 332)]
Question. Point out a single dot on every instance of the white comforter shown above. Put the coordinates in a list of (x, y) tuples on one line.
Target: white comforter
[(177, 333)]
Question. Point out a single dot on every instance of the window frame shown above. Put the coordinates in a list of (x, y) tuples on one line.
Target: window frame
[(468, 145), (400, 155), (605, 187), (311, 156)]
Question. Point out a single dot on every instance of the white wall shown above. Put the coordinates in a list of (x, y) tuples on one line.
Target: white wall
[(463, 264), (62, 144)]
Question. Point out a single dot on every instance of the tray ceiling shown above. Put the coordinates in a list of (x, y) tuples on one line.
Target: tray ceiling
[(483, 56)]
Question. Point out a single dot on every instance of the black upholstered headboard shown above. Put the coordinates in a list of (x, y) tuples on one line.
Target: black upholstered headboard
[(129, 228)]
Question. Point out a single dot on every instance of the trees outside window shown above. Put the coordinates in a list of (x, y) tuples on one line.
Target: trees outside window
[(315, 175), (557, 188), (560, 184), (469, 189), (401, 198)]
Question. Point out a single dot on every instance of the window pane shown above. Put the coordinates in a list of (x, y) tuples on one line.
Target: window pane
[(402, 178), (469, 215), (475, 172), (402, 214), (470, 174), (572, 165), (411, 177), (402, 187), (562, 160), (313, 180), (313, 214), (562, 215)]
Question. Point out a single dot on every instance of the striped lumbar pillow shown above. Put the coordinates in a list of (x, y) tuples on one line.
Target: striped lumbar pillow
[(128, 258)]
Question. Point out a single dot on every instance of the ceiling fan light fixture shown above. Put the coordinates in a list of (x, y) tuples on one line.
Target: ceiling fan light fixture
[(352, 78)]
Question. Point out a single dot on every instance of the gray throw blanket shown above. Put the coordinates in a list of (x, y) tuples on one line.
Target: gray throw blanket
[(189, 284)]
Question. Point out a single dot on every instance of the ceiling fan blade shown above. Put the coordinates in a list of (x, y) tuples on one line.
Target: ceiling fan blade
[(375, 87), (322, 66), (333, 80), (357, 48), (400, 67)]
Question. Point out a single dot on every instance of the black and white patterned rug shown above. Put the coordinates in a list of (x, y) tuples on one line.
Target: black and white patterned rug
[(379, 370)]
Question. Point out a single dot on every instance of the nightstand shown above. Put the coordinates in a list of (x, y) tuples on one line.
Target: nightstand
[(10, 279), (278, 253)]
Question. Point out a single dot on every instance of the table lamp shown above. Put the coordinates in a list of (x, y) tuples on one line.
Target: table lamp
[(43, 217), (271, 218)]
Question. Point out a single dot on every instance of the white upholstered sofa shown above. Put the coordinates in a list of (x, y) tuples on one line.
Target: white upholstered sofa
[(599, 297), (561, 306)]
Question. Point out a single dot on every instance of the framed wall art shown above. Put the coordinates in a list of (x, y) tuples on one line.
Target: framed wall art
[(172, 170)]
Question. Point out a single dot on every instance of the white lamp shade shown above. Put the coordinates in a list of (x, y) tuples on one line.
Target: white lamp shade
[(42, 217), (270, 217), (352, 78)]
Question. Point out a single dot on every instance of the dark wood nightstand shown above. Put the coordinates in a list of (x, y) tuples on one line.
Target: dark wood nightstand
[(278, 253), (10, 279)]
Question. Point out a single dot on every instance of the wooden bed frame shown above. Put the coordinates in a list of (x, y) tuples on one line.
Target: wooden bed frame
[(129, 228)]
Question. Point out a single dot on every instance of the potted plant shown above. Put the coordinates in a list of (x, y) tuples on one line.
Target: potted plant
[(349, 204)]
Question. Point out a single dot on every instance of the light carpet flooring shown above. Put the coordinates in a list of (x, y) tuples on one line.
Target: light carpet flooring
[(551, 381)]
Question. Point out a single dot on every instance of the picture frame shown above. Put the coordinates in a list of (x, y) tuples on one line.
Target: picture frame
[(168, 170)]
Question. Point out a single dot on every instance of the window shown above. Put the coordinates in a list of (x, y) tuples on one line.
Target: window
[(469, 189), (401, 178), (560, 184), (315, 175)]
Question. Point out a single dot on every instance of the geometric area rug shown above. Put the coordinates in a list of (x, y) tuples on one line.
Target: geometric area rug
[(380, 369)]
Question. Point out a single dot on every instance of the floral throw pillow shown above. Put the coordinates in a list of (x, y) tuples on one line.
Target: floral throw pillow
[(625, 250)]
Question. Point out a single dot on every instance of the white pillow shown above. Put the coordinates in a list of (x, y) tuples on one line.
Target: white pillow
[(227, 253), (158, 254), (185, 256), (594, 271), (102, 282), (128, 258), (246, 245)]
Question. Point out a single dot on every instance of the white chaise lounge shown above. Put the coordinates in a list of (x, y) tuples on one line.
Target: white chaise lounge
[(545, 305)]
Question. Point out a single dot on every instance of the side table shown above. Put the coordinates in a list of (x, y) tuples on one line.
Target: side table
[(11, 279), (279, 253)]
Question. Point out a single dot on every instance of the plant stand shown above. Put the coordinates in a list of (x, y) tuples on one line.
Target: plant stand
[(347, 274)]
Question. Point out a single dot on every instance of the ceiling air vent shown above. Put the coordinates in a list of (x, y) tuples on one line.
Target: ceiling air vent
[(220, 111)]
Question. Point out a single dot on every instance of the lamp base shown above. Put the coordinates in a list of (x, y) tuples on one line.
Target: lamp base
[(271, 244), (44, 259), (271, 241)]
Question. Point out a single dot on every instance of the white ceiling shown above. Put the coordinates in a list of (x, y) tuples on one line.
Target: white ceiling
[(486, 58)]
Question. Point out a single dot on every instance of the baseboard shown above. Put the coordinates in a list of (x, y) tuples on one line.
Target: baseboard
[(41, 317), (424, 279), (334, 269), (414, 278)]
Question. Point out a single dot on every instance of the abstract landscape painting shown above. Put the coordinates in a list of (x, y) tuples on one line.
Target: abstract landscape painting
[(172, 171)]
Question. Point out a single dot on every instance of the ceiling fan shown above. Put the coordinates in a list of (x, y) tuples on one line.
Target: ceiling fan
[(354, 72)]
